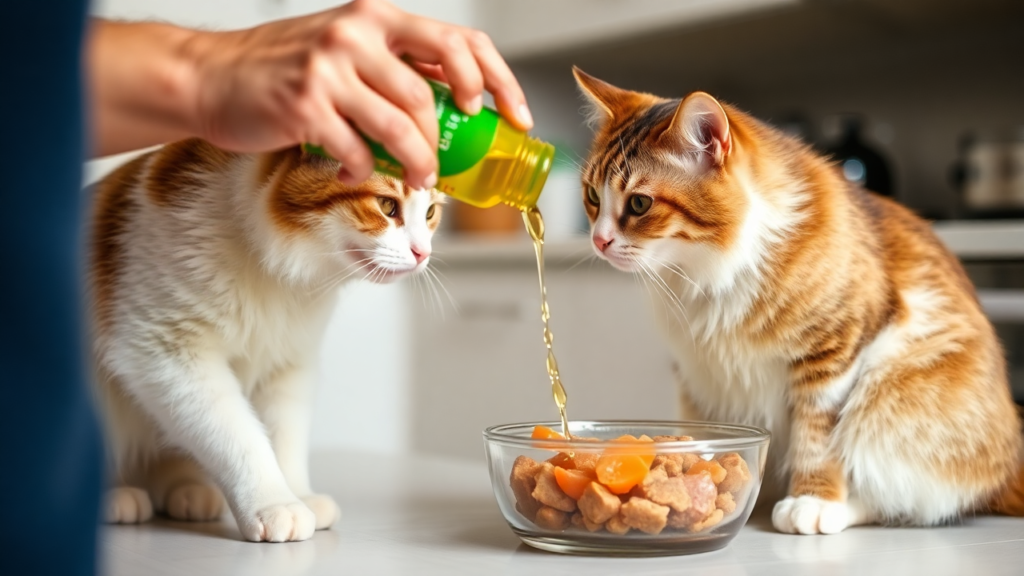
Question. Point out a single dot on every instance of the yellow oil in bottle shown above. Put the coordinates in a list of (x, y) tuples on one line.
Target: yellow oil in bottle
[(513, 172), (535, 226)]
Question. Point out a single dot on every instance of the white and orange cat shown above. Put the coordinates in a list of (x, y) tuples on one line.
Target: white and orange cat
[(213, 275), (801, 303)]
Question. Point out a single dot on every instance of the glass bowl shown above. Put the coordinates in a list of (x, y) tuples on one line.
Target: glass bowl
[(654, 517)]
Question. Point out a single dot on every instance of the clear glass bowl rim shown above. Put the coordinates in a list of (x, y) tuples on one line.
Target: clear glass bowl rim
[(753, 435)]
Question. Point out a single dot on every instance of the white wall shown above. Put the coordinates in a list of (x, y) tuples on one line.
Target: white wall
[(363, 389)]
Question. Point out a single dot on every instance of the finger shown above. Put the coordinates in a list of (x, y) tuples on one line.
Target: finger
[(500, 81), (432, 71), (437, 43), (345, 145), (397, 82), (384, 122)]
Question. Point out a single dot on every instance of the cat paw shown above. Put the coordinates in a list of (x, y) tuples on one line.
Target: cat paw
[(810, 515), (289, 522), (324, 508), (195, 502), (127, 505)]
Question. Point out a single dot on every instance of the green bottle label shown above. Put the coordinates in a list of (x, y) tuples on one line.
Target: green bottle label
[(463, 140)]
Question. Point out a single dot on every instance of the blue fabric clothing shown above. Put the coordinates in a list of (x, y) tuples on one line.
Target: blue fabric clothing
[(50, 477)]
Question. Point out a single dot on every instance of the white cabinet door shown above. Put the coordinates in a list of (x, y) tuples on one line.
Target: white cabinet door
[(485, 366)]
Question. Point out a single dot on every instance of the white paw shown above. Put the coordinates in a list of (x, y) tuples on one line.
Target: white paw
[(324, 508), (278, 523), (127, 505), (810, 515), (196, 502)]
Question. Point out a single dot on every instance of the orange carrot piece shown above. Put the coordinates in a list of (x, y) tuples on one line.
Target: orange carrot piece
[(545, 433), (572, 482), (621, 472), (645, 448), (712, 467)]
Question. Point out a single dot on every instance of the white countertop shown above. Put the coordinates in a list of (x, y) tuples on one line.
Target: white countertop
[(427, 515)]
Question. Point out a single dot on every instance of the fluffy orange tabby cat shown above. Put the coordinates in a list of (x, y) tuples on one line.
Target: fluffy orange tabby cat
[(213, 275), (799, 302)]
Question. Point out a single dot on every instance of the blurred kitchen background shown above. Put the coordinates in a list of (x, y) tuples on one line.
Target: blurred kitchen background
[(923, 99)]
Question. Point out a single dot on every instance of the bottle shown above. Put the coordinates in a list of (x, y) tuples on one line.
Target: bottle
[(860, 163), (991, 170), (482, 160)]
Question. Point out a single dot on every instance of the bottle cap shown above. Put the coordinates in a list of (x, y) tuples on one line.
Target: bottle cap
[(532, 166)]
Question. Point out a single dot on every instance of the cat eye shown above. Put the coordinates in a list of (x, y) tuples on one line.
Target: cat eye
[(430, 211), (388, 206), (638, 204), (592, 196)]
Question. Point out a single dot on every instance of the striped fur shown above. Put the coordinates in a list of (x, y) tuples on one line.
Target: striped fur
[(213, 275), (795, 301)]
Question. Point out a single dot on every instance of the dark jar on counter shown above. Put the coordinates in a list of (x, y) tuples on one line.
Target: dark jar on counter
[(859, 162)]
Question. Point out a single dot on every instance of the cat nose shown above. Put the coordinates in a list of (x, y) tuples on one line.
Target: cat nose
[(420, 253), (601, 242)]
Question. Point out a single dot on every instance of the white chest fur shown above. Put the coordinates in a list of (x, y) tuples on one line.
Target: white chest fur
[(275, 330), (722, 374)]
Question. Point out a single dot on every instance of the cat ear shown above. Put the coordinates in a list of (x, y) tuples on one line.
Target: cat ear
[(606, 100), (700, 126)]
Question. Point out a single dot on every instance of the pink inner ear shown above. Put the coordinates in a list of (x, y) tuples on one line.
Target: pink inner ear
[(701, 125)]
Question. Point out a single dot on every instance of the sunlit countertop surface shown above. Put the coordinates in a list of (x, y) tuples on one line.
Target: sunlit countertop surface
[(428, 515)]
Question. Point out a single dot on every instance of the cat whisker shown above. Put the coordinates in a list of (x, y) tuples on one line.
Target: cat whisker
[(437, 278), (337, 252), (430, 280), (678, 271), (373, 274), (440, 275), (674, 301), (339, 277), (574, 253), (417, 284), (590, 256)]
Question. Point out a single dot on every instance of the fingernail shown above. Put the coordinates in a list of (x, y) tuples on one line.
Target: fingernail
[(475, 105), (430, 181), (524, 116)]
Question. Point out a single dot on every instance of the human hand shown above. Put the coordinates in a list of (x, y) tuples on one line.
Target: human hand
[(323, 77)]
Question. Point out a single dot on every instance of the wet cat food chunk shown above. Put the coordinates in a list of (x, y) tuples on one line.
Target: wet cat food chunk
[(669, 463), (523, 481), (585, 461), (725, 502), (644, 515), (703, 493), (598, 504), (616, 525), (592, 526), (737, 474), (671, 492), (547, 492), (551, 519), (712, 520)]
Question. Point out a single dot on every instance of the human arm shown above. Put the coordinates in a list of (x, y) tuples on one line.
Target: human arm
[(321, 78)]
